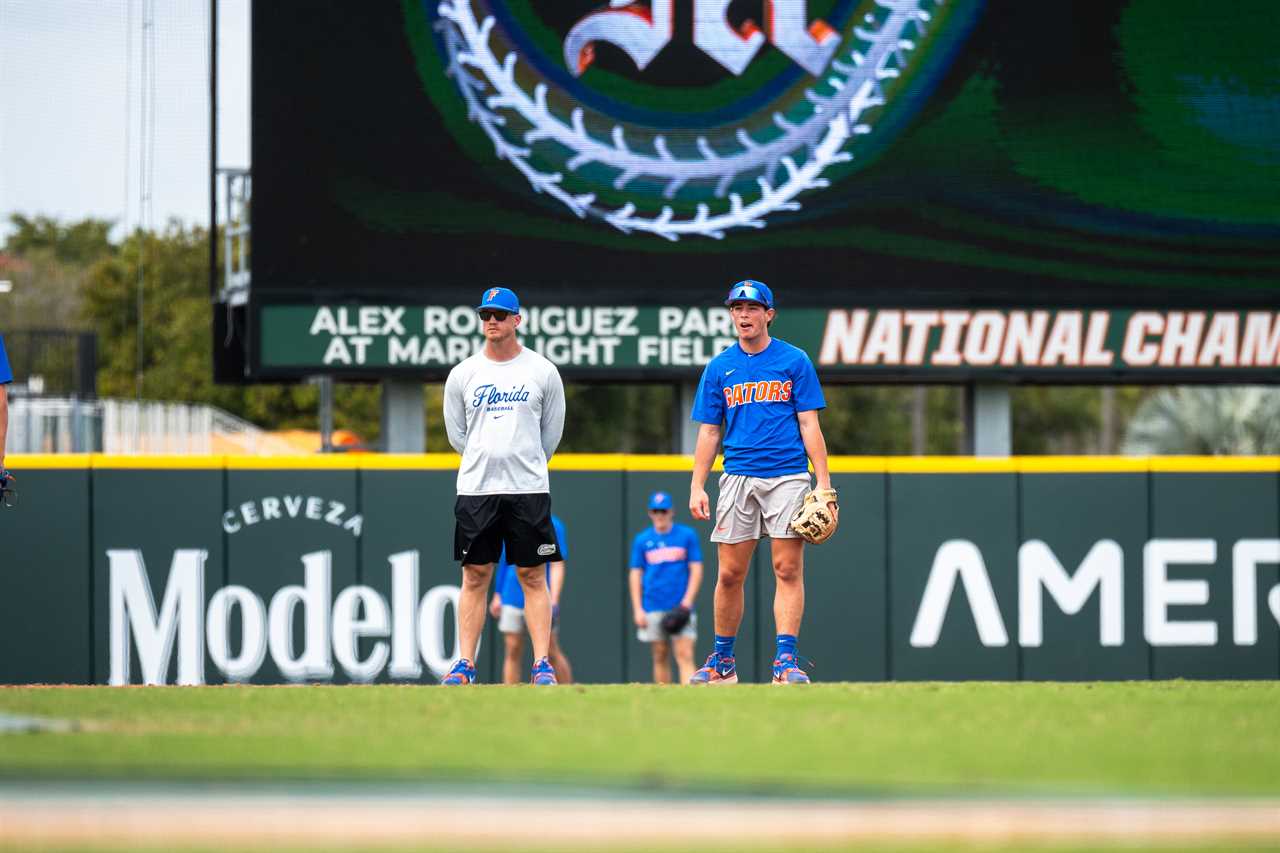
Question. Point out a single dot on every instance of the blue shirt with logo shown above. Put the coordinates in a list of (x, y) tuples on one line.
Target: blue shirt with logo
[(665, 559), (757, 398), (6, 373), (508, 582)]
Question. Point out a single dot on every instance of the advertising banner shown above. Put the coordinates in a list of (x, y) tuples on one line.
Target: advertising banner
[(340, 570)]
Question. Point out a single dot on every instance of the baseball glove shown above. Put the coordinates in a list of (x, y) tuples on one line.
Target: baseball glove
[(8, 494), (674, 620), (814, 522)]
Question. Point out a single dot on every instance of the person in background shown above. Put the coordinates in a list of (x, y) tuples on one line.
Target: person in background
[(507, 606), (6, 377), (666, 572)]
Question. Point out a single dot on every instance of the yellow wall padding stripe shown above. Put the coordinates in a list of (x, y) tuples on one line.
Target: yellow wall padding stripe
[(157, 460), (626, 462), (661, 463), (952, 465), (318, 461), (405, 461), (1207, 464), (33, 461), (1083, 464), (859, 464)]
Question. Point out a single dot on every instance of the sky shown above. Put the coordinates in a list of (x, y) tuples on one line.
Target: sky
[(71, 100)]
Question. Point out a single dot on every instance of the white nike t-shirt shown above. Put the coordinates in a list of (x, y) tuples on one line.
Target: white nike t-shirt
[(506, 419)]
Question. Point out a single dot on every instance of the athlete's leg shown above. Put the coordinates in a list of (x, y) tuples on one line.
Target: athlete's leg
[(788, 599), (473, 606), (564, 670), (734, 560), (684, 657), (537, 608), (661, 650), (513, 662)]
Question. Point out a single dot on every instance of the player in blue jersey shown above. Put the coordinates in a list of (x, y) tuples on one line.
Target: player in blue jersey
[(666, 572), (507, 606), (6, 377), (762, 397)]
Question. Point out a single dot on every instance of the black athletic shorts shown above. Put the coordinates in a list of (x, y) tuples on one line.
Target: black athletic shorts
[(521, 522)]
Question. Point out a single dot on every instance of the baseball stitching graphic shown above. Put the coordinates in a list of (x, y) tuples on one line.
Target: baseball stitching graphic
[(786, 165)]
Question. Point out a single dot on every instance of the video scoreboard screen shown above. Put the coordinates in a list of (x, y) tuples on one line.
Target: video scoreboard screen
[(1005, 156)]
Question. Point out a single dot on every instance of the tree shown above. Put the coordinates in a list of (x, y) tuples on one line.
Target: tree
[(80, 243), (72, 276), (1207, 420), (176, 358), (47, 263)]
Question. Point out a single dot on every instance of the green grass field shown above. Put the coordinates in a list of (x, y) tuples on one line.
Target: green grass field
[(1165, 740), (1140, 738), (1022, 847)]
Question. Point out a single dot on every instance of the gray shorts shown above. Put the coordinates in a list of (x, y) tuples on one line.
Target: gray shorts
[(752, 507), (511, 620), (652, 632)]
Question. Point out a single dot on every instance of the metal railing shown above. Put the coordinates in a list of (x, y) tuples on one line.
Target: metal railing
[(69, 425), (235, 190)]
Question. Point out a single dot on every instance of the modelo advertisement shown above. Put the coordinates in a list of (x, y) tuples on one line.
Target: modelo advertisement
[(171, 576)]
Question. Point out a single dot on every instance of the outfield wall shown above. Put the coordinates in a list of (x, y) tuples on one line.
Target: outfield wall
[(205, 570)]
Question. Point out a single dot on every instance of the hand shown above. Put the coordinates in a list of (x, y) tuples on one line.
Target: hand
[(699, 504), (834, 508), (640, 620), (495, 606)]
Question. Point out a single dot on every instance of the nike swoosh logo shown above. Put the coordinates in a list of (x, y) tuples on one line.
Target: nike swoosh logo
[(727, 372), (495, 417)]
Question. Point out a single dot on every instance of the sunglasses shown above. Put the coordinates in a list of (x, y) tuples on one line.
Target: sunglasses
[(659, 511), (486, 316), (748, 294)]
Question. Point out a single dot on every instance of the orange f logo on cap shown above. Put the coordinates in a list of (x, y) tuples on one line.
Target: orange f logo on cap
[(492, 293)]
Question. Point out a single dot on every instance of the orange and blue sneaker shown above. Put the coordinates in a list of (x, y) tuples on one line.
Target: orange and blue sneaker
[(786, 670), (543, 672), (719, 669), (463, 672)]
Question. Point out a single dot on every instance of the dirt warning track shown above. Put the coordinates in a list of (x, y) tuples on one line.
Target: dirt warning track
[(337, 819)]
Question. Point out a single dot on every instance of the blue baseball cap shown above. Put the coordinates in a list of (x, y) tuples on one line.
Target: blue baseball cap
[(500, 298), (659, 500), (750, 290)]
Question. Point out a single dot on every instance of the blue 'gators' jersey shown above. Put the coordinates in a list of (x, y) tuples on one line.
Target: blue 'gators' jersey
[(665, 559), (757, 398), (508, 582)]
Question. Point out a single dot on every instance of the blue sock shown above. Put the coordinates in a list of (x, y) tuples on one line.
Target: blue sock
[(724, 645), (786, 645)]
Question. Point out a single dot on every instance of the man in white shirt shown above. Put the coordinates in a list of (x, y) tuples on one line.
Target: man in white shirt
[(504, 412)]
